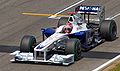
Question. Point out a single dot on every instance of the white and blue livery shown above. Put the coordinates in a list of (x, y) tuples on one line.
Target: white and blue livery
[(64, 48)]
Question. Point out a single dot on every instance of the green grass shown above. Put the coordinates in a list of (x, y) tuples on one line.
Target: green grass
[(116, 68)]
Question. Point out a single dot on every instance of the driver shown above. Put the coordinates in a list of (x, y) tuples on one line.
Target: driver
[(67, 28)]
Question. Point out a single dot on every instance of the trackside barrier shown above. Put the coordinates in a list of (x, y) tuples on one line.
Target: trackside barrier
[(103, 66)]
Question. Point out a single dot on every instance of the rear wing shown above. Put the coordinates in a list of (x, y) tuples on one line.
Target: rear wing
[(89, 9), (92, 10)]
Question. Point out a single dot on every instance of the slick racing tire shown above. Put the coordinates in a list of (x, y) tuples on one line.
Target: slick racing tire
[(27, 43), (108, 30), (62, 21), (74, 47)]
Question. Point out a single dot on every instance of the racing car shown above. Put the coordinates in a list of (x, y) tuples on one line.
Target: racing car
[(65, 42)]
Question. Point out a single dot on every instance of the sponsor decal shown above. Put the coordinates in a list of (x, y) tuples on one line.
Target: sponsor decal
[(89, 8)]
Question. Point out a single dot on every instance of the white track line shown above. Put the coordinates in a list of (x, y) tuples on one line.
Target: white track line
[(113, 16), (53, 16), (70, 7), (100, 68)]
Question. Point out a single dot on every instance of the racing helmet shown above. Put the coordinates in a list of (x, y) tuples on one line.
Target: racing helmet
[(67, 28)]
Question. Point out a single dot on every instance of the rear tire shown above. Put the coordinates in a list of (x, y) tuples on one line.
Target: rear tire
[(62, 21), (27, 43), (108, 30), (74, 47)]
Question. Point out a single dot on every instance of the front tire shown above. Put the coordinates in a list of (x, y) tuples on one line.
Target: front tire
[(27, 43), (74, 47)]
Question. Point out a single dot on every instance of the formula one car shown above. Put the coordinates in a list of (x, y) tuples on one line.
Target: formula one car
[(72, 35)]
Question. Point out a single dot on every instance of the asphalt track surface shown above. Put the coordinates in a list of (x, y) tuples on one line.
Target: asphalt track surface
[(13, 25)]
